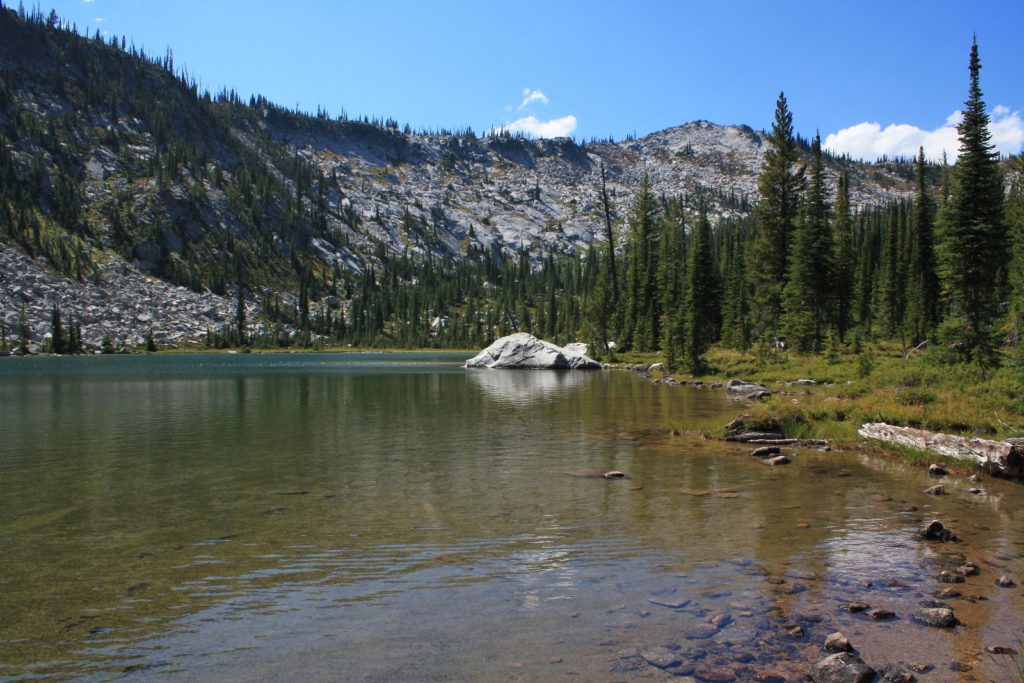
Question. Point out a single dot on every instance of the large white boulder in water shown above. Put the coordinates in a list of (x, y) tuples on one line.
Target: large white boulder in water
[(523, 350)]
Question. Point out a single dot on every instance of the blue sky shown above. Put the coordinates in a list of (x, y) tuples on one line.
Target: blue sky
[(872, 77)]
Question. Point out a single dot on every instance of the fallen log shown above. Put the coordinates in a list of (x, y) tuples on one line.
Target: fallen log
[(999, 457)]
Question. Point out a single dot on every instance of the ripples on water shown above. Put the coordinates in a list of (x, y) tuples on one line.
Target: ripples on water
[(393, 517)]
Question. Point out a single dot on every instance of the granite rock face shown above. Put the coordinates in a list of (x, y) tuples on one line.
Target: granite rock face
[(524, 351)]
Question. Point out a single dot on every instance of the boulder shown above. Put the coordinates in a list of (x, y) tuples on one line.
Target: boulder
[(842, 668), (524, 351), (740, 388)]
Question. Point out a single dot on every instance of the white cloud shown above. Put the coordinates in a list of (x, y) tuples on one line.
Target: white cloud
[(870, 141), (553, 128), (99, 20), (531, 96), (88, 2)]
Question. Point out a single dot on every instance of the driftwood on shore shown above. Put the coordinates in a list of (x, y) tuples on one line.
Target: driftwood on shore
[(998, 457)]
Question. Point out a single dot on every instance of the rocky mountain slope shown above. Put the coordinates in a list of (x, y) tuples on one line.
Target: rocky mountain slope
[(115, 168)]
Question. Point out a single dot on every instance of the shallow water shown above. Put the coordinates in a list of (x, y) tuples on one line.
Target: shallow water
[(395, 517)]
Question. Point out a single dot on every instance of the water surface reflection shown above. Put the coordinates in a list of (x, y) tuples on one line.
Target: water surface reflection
[(316, 520)]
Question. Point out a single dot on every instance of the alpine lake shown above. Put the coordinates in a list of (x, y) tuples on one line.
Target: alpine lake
[(393, 517)]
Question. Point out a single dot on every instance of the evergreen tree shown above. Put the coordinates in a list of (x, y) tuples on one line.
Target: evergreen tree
[(923, 294), (671, 280), (779, 186), (846, 259), (600, 309), (889, 287), (1015, 225), (58, 342), (973, 248), (807, 297), (702, 297), (240, 322), (24, 333), (734, 299), (641, 324)]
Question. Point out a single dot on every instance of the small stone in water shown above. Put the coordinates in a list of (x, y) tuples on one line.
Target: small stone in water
[(881, 614), (837, 642), (894, 673), (1005, 581), (937, 470), (936, 531), (937, 490), (959, 666), (700, 631), (715, 675), (950, 577), (939, 617), (855, 607), (1000, 650), (673, 603), (968, 569)]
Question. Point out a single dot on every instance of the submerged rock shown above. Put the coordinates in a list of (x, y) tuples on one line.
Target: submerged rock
[(939, 617), (661, 657), (894, 673), (524, 351)]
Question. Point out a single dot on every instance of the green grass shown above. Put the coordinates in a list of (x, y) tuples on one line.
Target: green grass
[(884, 387)]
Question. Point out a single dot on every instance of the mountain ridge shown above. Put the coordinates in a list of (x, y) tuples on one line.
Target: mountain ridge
[(112, 158)]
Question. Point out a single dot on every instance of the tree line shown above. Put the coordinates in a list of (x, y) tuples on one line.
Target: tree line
[(806, 271)]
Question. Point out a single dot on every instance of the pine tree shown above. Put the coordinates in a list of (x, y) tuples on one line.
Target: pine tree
[(58, 340), (24, 332), (599, 311), (734, 299), (779, 186), (846, 260), (702, 297), (807, 297), (923, 290), (671, 280), (973, 247), (889, 287), (1015, 225), (641, 324)]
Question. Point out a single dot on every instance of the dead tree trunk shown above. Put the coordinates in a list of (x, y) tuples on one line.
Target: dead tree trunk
[(999, 457)]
